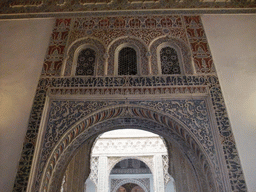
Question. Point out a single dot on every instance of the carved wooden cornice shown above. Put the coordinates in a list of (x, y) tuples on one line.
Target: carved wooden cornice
[(50, 8)]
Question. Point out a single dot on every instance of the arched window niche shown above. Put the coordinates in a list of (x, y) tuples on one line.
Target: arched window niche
[(169, 60), (127, 60), (85, 61)]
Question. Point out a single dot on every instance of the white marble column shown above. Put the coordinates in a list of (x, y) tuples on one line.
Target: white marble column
[(103, 174), (159, 174)]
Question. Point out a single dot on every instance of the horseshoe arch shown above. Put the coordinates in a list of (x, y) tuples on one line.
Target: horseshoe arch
[(120, 117)]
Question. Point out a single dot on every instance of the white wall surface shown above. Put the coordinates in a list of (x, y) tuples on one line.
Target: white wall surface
[(232, 40), (23, 45)]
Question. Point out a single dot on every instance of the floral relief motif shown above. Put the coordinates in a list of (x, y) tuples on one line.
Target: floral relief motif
[(199, 46), (107, 28)]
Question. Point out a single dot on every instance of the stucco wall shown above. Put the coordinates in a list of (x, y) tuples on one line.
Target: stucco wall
[(232, 42), (23, 45)]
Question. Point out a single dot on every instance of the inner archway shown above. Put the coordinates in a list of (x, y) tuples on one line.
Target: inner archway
[(133, 156), (120, 157)]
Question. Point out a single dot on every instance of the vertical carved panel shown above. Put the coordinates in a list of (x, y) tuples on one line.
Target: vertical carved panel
[(55, 53), (199, 45)]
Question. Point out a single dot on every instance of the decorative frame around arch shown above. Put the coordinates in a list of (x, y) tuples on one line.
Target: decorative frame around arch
[(73, 51), (185, 56), (106, 120), (114, 47)]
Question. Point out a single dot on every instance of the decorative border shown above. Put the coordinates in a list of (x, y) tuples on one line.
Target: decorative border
[(199, 90), (199, 45), (133, 82), (40, 7), (57, 47)]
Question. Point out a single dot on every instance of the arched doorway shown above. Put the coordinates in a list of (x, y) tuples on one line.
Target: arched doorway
[(173, 131)]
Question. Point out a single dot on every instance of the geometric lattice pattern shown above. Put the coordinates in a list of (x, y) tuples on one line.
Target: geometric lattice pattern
[(169, 61), (127, 64), (167, 177), (94, 169), (86, 62)]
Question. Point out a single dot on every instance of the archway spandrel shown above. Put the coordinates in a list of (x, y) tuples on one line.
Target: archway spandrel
[(65, 114)]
